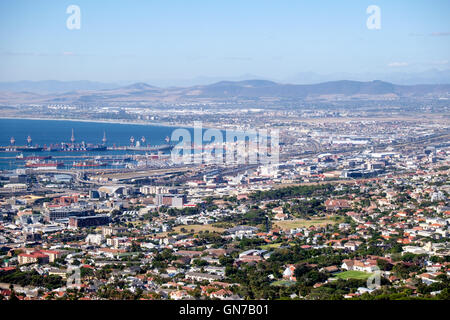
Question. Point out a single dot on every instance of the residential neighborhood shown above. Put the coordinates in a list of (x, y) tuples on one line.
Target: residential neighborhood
[(340, 238)]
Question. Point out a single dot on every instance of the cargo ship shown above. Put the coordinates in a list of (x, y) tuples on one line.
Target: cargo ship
[(27, 158), (21, 149), (64, 147), (51, 165), (28, 148), (113, 159), (163, 147), (80, 147), (88, 164)]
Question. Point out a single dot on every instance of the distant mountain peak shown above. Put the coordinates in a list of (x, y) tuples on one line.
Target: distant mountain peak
[(244, 83), (139, 86)]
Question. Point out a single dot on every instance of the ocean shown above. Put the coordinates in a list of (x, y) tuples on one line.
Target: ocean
[(47, 132), (57, 131)]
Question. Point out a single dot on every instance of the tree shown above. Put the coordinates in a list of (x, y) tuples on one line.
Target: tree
[(200, 263), (444, 294), (401, 270), (301, 270), (226, 260), (384, 265)]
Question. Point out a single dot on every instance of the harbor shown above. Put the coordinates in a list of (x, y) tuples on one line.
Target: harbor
[(39, 149)]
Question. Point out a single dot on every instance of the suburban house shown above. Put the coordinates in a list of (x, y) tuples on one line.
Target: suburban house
[(288, 273), (336, 204), (368, 265), (199, 276)]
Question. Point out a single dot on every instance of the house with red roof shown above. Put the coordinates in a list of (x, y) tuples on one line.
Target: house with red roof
[(289, 272)]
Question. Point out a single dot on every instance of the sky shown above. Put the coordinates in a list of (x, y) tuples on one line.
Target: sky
[(153, 40)]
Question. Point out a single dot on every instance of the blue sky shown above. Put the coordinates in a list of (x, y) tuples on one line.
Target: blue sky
[(143, 40)]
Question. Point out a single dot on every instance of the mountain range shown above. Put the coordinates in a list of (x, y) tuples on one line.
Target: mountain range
[(431, 76), (253, 90)]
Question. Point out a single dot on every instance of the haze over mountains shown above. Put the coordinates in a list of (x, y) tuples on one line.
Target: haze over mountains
[(254, 90), (431, 76), (54, 86)]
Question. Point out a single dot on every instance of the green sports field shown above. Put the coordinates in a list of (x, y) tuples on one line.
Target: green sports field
[(283, 283), (353, 275)]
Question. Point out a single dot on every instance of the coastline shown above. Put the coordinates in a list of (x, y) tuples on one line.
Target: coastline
[(160, 124), (156, 124)]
